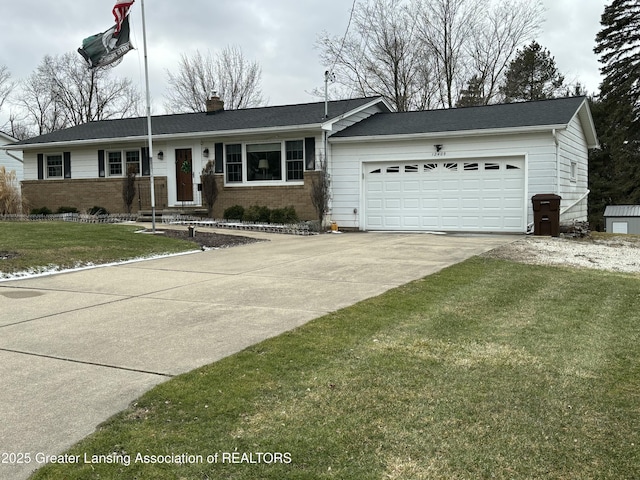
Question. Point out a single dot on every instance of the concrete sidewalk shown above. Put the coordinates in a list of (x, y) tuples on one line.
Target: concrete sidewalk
[(77, 348)]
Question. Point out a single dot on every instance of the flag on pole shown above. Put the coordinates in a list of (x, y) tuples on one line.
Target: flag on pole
[(107, 47), (120, 12)]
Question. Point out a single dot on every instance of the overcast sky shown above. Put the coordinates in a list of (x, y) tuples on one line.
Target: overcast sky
[(279, 34)]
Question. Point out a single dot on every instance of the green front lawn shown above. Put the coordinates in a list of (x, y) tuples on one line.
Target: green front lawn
[(40, 245), (488, 369)]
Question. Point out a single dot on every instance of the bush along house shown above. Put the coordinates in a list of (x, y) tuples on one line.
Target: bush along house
[(470, 169)]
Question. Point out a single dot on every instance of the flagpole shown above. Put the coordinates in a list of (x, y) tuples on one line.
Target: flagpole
[(146, 76)]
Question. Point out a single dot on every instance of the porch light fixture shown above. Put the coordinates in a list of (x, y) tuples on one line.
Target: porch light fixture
[(205, 153), (160, 155), (438, 147)]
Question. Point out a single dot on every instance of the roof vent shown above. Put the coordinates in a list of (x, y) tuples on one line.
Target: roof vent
[(214, 104)]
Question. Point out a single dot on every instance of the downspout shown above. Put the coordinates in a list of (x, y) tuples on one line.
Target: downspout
[(557, 142), (554, 133), (328, 167), (566, 209), (13, 156)]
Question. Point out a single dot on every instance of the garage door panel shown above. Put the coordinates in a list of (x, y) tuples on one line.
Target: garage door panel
[(492, 203), (393, 186), (392, 221), (472, 204), (411, 204), (374, 186), (450, 186), (411, 186), (463, 195), (392, 204), (411, 222), (374, 204), (450, 203)]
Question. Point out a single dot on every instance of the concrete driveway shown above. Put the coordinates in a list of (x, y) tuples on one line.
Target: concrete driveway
[(76, 348)]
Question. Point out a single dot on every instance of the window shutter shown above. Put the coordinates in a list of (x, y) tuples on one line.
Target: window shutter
[(67, 164), (219, 152), (101, 172), (146, 163), (40, 166), (310, 152)]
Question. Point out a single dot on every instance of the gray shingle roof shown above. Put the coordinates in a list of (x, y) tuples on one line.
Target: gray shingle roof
[(511, 115), (622, 211), (227, 120)]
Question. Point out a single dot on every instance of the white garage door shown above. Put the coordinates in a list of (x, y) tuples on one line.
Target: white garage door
[(450, 195)]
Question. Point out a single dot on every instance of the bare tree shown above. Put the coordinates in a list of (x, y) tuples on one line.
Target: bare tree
[(41, 112), (445, 29), (235, 79), (238, 79), (62, 92), (6, 85), (320, 191), (429, 53), (502, 29), (380, 56)]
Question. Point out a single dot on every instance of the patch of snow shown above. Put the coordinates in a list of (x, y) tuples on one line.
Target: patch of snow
[(54, 269)]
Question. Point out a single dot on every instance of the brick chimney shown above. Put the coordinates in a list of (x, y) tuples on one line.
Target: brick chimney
[(214, 104)]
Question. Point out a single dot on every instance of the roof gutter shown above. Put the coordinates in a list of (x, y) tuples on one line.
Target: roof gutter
[(165, 137), (449, 134)]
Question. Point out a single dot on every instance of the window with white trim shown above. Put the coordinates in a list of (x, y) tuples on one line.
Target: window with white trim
[(574, 170), (234, 163), (119, 162), (54, 166), (270, 162), (295, 159), (115, 164), (264, 161), (133, 161)]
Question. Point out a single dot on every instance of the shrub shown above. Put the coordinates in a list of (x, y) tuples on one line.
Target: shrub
[(96, 210), (67, 210), (286, 215), (41, 211), (209, 186), (129, 188), (235, 212), (257, 214), (10, 201)]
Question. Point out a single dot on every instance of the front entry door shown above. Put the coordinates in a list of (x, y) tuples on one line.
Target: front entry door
[(184, 175)]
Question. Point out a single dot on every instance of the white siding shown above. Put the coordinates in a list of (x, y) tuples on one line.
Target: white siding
[(9, 161), (11, 164), (572, 148), (348, 157)]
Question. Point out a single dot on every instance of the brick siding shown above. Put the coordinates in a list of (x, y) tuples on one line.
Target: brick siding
[(84, 194), (298, 196)]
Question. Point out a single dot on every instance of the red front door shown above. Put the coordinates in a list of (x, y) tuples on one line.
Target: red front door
[(184, 175)]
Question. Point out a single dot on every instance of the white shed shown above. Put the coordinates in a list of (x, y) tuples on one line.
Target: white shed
[(622, 219)]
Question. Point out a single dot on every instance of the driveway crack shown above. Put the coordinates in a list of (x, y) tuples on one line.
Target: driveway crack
[(84, 362)]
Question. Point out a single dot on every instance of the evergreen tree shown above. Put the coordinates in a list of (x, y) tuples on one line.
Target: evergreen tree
[(618, 44), (615, 170), (532, 75), (473, 95)]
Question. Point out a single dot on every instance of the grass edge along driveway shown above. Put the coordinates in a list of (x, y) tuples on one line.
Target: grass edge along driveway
[(487, 369)]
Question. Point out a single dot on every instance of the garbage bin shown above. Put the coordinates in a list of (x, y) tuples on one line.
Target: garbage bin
[(546, 214)]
